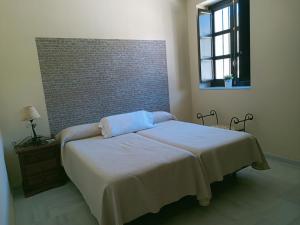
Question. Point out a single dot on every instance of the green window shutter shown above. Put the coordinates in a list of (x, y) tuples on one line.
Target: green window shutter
[(244, 26), (205, 45)]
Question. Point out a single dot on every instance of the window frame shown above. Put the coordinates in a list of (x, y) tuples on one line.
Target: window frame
[(242, 79), (219, 6)]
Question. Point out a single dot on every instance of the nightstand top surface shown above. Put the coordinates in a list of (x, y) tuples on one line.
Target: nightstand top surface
[(22, 149)]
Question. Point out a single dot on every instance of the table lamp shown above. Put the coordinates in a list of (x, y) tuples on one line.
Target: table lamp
[(29, 113)]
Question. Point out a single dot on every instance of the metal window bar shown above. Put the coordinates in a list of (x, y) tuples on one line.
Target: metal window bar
[(211, 113), (235, 120)]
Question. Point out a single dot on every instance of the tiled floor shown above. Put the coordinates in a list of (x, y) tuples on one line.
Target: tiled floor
[(252, 198)]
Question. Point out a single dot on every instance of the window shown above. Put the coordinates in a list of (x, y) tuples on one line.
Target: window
[(224, 43)]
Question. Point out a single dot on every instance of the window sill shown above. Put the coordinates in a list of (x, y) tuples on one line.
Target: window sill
[(224, 88)]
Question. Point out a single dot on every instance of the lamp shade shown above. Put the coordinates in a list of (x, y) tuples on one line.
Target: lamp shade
[(29, 113)]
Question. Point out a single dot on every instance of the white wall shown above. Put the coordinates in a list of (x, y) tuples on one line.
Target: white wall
[(274, 98), (6, 202), (22, 21)]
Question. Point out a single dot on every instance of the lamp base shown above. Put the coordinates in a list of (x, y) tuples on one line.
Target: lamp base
[(35, 141)]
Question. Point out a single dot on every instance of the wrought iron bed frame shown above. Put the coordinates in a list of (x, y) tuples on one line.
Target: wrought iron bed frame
[(234, 120)]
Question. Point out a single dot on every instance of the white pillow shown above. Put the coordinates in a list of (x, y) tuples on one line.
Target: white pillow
[(78, 132), (162, 116), (126, 123)]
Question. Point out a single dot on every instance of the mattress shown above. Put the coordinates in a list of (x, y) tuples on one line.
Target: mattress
[(219, 151), (124, 177)]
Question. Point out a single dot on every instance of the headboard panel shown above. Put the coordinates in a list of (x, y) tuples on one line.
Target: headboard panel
[(87, 79)]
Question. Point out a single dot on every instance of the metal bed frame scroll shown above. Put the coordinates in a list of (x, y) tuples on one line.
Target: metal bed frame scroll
[(211, 113), (234, 120)]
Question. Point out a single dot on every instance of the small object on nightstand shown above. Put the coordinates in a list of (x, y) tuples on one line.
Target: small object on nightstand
[(40, 166), (28, 141)]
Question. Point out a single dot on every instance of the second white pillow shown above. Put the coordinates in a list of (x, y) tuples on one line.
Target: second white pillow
[(162, 116)]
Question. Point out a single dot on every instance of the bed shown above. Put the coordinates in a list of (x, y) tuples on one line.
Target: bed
[(220, 152), (124, 177)]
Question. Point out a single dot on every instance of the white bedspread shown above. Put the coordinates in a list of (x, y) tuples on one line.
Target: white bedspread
[(124, 177), (220, 151)]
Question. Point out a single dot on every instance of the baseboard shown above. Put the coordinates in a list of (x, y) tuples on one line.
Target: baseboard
[(282, 159)]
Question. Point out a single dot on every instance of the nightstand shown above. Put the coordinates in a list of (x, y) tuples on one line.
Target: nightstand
[(40, 167)]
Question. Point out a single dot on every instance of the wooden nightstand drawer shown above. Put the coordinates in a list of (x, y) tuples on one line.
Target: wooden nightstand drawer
[(39, 155), (33, 181), (42, 182), (41, 179), (41, 167)]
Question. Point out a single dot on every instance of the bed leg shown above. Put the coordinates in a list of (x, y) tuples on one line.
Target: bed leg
[(204, 202)]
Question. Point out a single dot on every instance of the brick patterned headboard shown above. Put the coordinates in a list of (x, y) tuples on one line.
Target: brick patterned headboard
[(87, 79)]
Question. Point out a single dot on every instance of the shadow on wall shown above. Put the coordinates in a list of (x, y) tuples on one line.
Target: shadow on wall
[(13, 166), (181, 56)]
